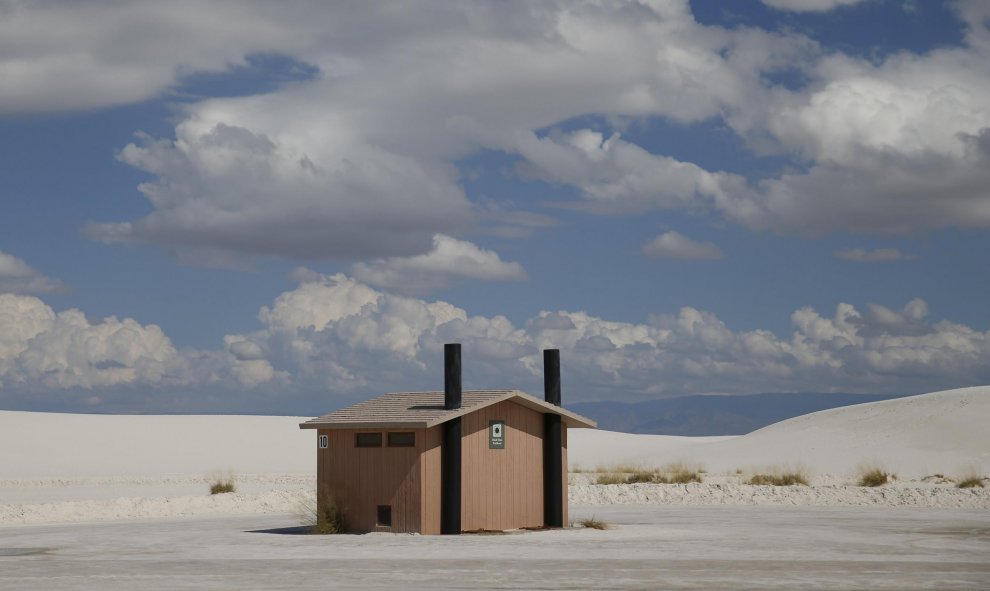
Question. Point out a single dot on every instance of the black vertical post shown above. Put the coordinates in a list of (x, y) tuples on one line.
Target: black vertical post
[(553, 483), (450, 478), (551, 376), (450, 451), (452, 376)]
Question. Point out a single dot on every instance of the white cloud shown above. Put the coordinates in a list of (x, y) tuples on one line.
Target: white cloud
[(336, 335), (449, 258), (16, 276), (878, 255), (371, 141), (42, 350), (347, 337), (358, 162), (674, 245), (225, 189), (616, 176), (810, 5), (73, 55), (902, 145)]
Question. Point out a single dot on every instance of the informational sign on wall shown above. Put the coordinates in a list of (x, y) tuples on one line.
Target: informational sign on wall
[(324, 441), (496, 434)]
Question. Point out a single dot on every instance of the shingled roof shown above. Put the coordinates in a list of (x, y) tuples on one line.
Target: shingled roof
[(422, 410)]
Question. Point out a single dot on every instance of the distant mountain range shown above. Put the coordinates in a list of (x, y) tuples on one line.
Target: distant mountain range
[(712, 415)]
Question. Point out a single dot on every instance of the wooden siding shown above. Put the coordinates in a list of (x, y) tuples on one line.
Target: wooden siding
[(430, 471), (563, 466), (502, 488), (360, 479)]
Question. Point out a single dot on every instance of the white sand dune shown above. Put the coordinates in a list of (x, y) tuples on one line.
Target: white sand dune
[(36, 445), (64, 467), (943, 432)]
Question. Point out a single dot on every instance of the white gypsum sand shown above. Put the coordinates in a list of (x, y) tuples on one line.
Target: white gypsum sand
[(943, 432), (75, 468)]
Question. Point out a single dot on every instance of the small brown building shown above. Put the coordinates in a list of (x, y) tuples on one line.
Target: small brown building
[(447, 462)]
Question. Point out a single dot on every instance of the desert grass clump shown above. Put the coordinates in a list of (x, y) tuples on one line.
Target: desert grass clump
[(322, 514), (971, 482), (594, 523), (669, 474), (782, 478), (874, 476), (679, 474), (222, 482), (610, 478), (641, 476), (970, 479)]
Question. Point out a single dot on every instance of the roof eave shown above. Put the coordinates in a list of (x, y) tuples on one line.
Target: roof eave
[(364, 425)]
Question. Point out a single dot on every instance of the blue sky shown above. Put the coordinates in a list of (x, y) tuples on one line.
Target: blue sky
[(221, 207)]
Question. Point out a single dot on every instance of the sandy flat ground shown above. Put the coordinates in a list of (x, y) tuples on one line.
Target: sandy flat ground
[(120, 502), (648, 547)]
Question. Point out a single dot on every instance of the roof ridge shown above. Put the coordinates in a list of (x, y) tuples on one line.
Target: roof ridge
[(417, 410)]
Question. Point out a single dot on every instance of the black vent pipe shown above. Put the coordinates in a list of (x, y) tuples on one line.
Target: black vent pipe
[(553, 469), (551, 376), (451, 376), (450, 451)]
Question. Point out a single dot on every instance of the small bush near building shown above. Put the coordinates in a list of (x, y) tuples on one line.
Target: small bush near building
[(324, 516)]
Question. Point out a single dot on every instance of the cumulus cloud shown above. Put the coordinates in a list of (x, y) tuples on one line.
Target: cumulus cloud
[(336, 335), (895, 146), (810, 5), (359, 161), (450, 258), (616, 176), (878, 255), (71, 55), (224, 188), (674, 245), (44, 350), (16, 276), (348, 337), (373, 139)]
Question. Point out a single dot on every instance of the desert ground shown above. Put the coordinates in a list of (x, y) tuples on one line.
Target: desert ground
[(119, 502)]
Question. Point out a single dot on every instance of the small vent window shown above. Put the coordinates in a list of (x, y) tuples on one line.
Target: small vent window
[(385, 515), (368, 440), (402, 439)]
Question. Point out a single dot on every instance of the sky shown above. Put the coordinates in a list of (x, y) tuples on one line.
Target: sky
[(283, 208)]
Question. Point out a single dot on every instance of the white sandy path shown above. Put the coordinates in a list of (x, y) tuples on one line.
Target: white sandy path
[(943, 432)]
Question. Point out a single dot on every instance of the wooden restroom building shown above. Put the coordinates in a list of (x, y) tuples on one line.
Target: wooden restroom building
[(449, 462)]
